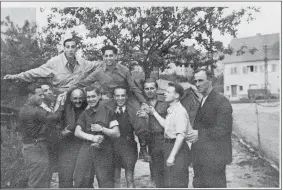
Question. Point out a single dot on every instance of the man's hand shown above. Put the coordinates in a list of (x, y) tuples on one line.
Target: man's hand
[(142, 113), (96, 128), (97, 139), (144, 106), (151, 110), (65, 132), (10, 77), (170, 161), (192, 137)]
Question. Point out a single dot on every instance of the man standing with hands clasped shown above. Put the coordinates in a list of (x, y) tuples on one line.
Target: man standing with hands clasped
[(176, 126), (213, 149)]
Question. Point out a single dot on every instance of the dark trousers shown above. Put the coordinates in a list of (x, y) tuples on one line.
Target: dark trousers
[(209, 175), (125, 153), (69, 148), (156, 153), (92, 159), (177, 176), (36, 159)]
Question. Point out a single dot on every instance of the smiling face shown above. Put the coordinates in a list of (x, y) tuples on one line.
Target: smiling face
[(150, 90), (77, 98), (109, 57), (202, 83), (120, 96), (92, 98), (70, 49), (47, 92)]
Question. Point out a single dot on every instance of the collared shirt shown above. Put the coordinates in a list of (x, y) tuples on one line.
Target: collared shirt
[(203, 100), (177, 121), (117, 110), (101, 115), (109, 79), (34, 121), (161, 108), (57, 69)]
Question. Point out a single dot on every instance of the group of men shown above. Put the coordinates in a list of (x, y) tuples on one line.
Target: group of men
[(97, 125)]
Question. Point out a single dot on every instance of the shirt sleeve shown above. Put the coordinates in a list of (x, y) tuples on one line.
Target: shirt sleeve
[(92, 65), (134, 88), (81, 121), (45, 70), (91, 79), (182, 122)]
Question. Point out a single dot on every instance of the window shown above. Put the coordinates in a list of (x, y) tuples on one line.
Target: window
[(261, 68), (227, 88), (241, 88), (251, 68), (245, 70), (274, 68), (233, 70), (255, 69)]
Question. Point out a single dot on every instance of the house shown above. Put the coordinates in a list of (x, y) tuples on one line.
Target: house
[(245, 68)]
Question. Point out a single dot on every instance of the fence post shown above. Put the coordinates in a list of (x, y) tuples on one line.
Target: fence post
[(258, 128)]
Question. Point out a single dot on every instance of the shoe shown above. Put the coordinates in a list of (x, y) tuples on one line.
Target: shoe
[(143, 155)]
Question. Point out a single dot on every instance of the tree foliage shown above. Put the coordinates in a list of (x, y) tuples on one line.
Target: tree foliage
[(155, 36)]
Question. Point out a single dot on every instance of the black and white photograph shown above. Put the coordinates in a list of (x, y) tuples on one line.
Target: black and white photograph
[(141, 94)]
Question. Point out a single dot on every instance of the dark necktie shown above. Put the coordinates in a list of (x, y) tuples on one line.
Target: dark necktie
[(71, 67)]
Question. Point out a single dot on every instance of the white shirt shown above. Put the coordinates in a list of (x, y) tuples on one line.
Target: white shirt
[(177, 121), (203, 100), (118, 111)]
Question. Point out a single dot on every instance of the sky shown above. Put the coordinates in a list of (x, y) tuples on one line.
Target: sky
[(267, 21)]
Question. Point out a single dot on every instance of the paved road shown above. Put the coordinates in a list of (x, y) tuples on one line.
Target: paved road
[(247, 170)]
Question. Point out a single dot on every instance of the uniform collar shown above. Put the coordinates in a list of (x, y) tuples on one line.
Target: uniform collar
[(104, 66), (65, 60)]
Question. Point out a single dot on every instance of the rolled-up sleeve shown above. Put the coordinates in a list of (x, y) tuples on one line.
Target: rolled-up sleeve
[(182, 123)]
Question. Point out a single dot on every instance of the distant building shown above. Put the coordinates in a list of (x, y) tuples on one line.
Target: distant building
[(246, 70)]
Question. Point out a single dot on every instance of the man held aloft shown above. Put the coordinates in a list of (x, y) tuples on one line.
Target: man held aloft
[(112, 74)]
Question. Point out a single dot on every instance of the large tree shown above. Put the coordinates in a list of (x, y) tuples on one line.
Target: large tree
[(154, 36)]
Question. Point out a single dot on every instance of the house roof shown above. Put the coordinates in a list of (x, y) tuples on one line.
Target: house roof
[(254, 42)]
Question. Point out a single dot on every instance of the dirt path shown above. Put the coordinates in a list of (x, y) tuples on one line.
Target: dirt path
[(246, 170)]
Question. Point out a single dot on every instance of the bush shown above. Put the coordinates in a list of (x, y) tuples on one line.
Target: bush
[(12, 171)]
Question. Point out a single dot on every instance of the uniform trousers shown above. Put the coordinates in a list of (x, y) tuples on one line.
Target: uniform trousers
[(36, 161), (98, 161), (156, 153), (177, 176), (69, 148)]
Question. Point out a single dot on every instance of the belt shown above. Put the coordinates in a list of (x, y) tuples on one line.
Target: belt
[(30, 141), (169, 140)]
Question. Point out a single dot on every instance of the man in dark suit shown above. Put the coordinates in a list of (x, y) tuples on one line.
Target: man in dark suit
[(212, 146)]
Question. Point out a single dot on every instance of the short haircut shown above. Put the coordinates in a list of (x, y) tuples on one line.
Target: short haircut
[(208, 73), (96, 89), (32, 89), (178, 88), (120, 87), (69, 40), (150, 80), (108, 47)]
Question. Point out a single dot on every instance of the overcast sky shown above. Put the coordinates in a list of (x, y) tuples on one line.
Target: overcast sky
[(267, 21)]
